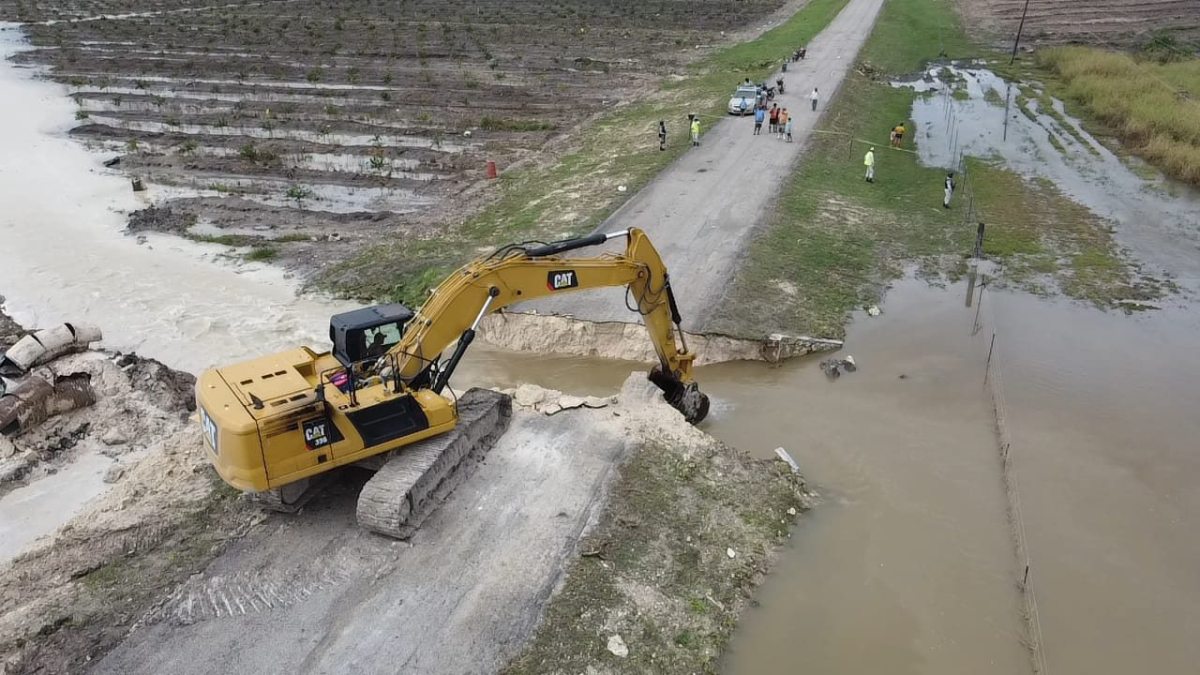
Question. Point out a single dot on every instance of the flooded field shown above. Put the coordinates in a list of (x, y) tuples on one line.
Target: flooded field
[(293, 105), (963, 111)]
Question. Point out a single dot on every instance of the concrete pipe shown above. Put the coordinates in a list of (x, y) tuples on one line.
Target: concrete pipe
[(46, 345), (34, 400)]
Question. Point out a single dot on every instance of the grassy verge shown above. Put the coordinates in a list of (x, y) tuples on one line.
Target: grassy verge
[(1152, 107), (656, 569), (579, 190), (835, 240)]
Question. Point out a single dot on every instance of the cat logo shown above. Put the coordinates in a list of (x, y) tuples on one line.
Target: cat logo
[(315, 433), (560, 279)]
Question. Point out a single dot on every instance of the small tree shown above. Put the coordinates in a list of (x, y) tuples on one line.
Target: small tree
[(298, 193)]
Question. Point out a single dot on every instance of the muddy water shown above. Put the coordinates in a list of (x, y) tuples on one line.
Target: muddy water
[(1101, 411), (65, 257), (40, 507), (907, 566)]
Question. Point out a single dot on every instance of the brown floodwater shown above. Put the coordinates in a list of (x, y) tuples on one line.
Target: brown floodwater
[(908, 564)]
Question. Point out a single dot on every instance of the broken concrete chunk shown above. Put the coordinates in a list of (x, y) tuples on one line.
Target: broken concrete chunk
[(617, 646), (115, 436), (783, 454), (528, 395), (731, 553), (114, 473)]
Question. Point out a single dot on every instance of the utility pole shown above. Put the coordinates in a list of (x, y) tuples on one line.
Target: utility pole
[(1020, 28)]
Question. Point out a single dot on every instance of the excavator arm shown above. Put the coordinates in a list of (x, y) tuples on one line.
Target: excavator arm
[(520, 273)]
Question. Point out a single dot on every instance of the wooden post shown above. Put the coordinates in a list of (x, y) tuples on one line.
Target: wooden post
[(1020, 28)]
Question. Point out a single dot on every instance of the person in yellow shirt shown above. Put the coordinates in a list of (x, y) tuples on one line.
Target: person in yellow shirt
[(869, 162), (898, 135), (695, 131)]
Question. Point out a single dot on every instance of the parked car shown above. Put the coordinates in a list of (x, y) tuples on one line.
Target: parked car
[(742, 101)]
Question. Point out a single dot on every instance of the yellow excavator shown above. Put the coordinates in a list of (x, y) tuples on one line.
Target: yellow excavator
[(277, 425)]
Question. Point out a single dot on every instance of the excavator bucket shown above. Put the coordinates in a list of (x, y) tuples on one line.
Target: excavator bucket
[(686, 398)]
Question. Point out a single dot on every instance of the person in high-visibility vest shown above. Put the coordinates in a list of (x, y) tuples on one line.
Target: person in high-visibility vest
[(869, 162), (695, 131)]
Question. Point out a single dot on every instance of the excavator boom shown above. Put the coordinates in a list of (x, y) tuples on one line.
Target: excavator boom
[(523, 273)]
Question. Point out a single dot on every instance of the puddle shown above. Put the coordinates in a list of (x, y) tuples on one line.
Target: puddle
[(1158, 219), (36, 510)]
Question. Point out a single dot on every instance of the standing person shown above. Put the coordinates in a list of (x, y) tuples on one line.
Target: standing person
[(662, 135), (815, 96), (774, 118), (695, 131), (784, 118), (869, 162), (898, 132), (803, 53), (760, 114), (948, 190), (779, 83), (787, 130)]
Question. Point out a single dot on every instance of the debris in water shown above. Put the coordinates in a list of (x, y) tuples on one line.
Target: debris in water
[(112, 162), (617, 646), (833, 367), (783, 454)]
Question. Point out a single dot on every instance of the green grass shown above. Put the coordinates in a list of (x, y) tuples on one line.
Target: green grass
[(506, 124), (1152, 107), (575, 193), (835, 240), (655, 569), (262, 254)]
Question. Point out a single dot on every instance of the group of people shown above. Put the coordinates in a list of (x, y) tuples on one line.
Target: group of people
[(799, 54), (897, 135), (780, 121)]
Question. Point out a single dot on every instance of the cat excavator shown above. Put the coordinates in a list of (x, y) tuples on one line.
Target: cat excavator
[(276, 426)]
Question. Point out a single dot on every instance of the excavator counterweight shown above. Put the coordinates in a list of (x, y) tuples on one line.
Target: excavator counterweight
[(277, 425)]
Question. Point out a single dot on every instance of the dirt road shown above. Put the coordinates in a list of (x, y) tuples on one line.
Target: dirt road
[(459, 599), (700, 213)]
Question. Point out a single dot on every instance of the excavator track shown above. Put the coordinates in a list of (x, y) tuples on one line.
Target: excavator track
[(419, 477)]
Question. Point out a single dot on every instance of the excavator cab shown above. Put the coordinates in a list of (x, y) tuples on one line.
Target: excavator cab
[(368, 332)]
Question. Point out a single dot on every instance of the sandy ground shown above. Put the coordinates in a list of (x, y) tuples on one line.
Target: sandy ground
[(314, 593), (702, 211)]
